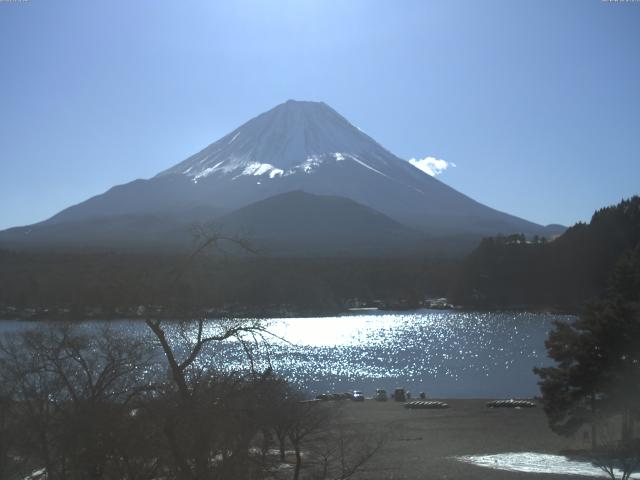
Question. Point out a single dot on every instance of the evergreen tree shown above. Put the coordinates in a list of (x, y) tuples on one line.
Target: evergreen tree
[(597, 372)]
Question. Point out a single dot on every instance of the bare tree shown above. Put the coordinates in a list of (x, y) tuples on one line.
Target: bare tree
[(325, 446), (71, 392), (198, 333), (80, 403), (207, 423), (309, 419), (343, 451), (617, 454), (10, 464)]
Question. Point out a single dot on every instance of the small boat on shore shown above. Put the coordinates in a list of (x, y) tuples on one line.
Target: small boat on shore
[(426, 405), (511, 403)]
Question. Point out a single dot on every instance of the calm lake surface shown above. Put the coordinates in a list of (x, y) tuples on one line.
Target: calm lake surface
[(441, 352)]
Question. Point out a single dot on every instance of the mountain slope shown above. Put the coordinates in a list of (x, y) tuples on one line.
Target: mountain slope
[(296, 146), (124, 231), (309, 146), (301, 223)]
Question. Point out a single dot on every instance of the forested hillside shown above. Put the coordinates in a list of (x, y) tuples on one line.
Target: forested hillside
[(116, 284), (563, 273), (502, 272)]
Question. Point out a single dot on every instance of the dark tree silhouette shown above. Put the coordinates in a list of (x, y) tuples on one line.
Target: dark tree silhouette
[(597, 372), (563, 273)]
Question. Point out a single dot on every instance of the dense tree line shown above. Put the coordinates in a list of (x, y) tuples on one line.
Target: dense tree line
[(502, 272), (512, 271), (116, 280)]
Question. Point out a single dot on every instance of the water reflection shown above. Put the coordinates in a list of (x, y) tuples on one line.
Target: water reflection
[(444, 353)]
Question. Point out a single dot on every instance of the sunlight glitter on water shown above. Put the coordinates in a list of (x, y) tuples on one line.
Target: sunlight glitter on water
[(446, 353), (337, 331), (443, 353)]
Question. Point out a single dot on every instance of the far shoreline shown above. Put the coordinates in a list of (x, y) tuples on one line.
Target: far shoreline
[(31, 314)]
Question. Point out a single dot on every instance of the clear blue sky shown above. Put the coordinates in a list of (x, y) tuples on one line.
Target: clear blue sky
[(536, 102)]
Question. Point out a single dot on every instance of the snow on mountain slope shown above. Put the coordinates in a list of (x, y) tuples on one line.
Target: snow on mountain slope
[(309, 146), (301, 146), (292, 138)]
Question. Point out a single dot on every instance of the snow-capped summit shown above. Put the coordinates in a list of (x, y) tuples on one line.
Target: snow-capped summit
[(295, 147), (295, 137)]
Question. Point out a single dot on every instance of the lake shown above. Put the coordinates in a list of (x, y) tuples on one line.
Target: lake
[(445, 353)]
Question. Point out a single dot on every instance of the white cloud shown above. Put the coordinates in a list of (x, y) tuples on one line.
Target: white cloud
[(431, 165)]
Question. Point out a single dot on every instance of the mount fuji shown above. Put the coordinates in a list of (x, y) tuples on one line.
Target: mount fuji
[(298, 146)]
